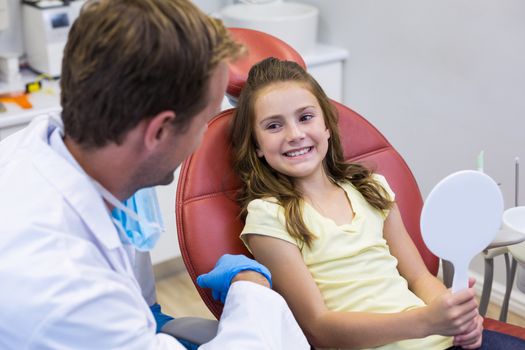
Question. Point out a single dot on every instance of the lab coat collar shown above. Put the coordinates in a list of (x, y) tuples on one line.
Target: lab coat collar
[(71, 180)]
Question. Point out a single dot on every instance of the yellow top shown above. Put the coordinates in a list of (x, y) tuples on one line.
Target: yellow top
[(351, 264)]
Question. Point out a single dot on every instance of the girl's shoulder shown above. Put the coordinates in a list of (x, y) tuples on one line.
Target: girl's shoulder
[(378, 179), (381, 180), (268, 203), (375, 176), (265, 199)]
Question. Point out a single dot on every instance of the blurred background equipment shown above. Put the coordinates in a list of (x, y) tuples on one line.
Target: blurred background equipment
[(9, 67), (4, 18), (46, 25), (294, 23)]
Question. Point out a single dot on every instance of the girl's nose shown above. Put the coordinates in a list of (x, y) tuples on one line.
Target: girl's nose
[(294, 132)]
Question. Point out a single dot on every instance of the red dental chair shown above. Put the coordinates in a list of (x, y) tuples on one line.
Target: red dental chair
[(208, 222)]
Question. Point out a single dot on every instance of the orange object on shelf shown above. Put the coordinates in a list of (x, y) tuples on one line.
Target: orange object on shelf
[(19, 98)]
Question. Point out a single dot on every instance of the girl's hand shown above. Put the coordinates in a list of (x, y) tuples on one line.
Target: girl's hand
[(452, 314), (472, 338)]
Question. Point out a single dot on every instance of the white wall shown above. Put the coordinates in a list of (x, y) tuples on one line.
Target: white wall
[(441, 79)]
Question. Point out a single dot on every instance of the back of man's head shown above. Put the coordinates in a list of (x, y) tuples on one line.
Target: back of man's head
[(128, 60)]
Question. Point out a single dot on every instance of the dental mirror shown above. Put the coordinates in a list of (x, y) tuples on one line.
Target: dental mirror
[(460, 217)]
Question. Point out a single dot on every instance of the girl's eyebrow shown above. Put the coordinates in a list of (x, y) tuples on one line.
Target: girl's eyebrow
[(299, 110), (277, 116), (270, 118)]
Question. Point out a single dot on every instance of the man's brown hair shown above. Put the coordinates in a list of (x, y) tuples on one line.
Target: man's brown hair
[(128, 60)]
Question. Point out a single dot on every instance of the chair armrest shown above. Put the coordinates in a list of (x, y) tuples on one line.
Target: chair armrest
[(506, 328), (193, 329)]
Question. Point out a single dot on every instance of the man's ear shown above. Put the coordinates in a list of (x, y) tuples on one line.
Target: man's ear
[(158, 128)]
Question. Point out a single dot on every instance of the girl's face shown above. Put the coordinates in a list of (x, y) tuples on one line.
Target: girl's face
[(290, 130)]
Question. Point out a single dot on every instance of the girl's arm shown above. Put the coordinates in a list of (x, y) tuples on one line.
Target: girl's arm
[(421, 281), (325, 328), (410, 264)]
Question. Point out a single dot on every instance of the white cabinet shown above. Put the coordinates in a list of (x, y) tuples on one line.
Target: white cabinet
[(326, 64), (168, 245)]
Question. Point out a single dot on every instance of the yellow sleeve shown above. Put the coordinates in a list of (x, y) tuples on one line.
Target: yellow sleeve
[(391, 195), (265, 217)]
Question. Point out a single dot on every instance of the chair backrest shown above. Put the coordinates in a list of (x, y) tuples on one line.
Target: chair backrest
[(260, 46), (208, 222)]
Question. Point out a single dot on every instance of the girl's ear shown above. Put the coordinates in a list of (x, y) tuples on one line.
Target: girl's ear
[(260, 154)]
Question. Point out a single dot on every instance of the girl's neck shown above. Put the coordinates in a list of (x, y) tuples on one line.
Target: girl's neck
[(314, 187), (327, 198)]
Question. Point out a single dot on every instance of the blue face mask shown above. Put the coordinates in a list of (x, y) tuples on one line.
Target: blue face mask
[(138, 219)]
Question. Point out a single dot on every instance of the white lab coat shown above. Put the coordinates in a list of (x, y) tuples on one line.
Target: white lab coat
[(66, 280)]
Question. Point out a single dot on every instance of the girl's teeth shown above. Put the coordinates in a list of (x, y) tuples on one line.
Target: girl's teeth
[(298, 153)]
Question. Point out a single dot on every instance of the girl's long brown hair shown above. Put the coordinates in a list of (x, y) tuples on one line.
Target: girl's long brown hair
[(259, 180)]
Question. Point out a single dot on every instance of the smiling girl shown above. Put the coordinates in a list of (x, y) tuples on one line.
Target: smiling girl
[(331, 232)]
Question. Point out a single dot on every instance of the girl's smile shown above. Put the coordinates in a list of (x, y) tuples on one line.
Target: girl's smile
[(298, 152)]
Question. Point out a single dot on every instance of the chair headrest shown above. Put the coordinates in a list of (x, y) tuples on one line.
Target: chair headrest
[(260, 46)]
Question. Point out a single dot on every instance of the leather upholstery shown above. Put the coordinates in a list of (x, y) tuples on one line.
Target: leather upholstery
[(503, 327), (208, 225)]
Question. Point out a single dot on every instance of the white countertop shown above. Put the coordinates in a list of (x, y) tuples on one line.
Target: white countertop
[(44, 101), (322, 54)]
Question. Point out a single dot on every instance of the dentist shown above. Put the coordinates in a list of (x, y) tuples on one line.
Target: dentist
[(140, 80)]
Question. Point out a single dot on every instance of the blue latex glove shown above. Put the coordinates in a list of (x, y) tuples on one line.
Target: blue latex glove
[(228, 266), (160, 318)]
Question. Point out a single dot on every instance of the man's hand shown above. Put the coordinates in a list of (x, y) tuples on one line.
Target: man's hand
[(227, 271)]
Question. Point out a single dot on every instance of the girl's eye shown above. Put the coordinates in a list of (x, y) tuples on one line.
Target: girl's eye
[(272, 126), (306, 117)]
